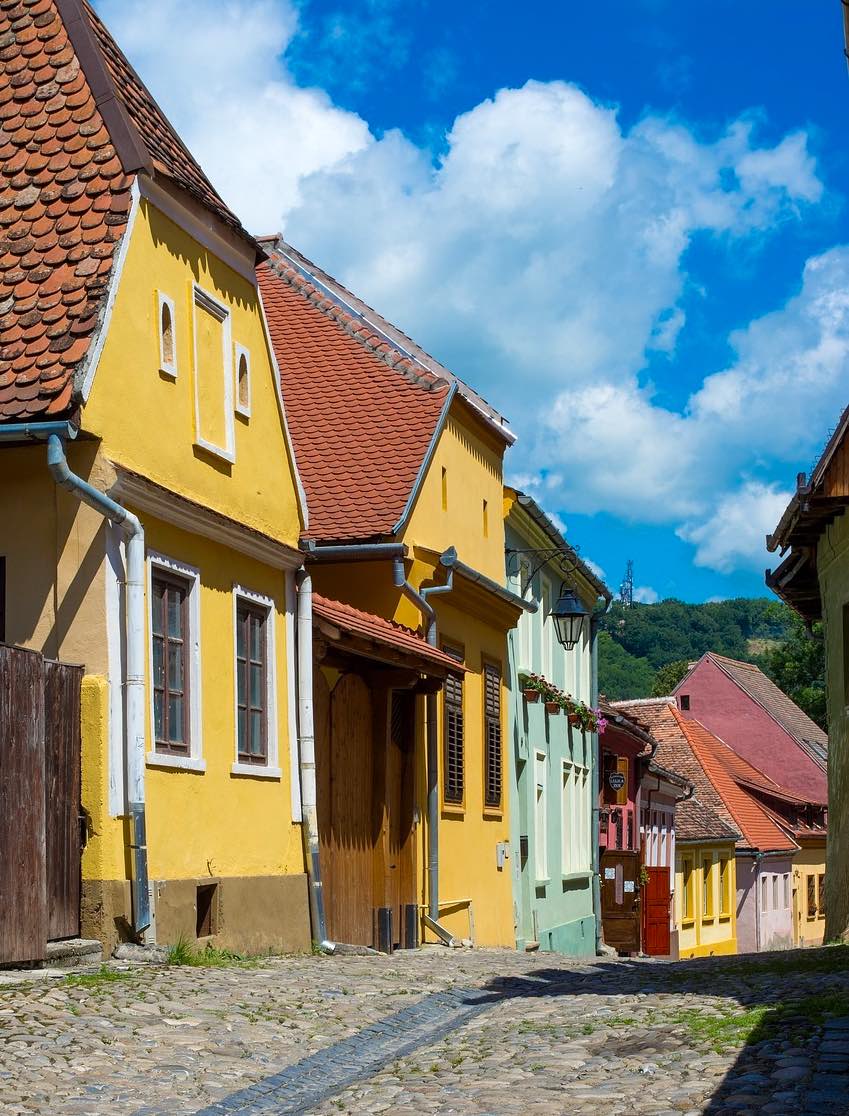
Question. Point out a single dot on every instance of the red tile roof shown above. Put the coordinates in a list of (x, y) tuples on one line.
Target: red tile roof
[(688, 748), (696, 822), (361, 416), (65, 197), (381, 631)]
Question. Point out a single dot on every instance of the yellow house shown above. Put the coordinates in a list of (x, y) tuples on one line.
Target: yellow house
[(155, 539), (705, 882), (402, 467), (808, 889)]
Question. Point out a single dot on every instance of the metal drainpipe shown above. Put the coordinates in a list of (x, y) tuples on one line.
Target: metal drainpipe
[(134, 683), (306, 752), (419, 599)]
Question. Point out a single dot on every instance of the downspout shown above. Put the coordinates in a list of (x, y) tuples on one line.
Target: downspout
[(134, 683), (306, 752), (420, 599)]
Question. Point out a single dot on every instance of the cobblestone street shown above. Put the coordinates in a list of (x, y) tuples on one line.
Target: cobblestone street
[(435, 1031)]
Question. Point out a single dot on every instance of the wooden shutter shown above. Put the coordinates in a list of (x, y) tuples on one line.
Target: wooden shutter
[(492, 735), (454, 759)]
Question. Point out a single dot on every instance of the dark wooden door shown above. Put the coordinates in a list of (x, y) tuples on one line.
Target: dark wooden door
[(23, 889), (656, 898), (344, 756), (620, 900), (62, 685)]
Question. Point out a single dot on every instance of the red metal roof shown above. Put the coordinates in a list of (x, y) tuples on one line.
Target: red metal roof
[(362, 418), (381, 631)]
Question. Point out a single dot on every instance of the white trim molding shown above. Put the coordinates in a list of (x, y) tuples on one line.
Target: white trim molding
[(181, 512), (203, 300), (194, 761), (116, 659), (291, 698), (167, 366), (270, 769), (119, 259), (240, 353)]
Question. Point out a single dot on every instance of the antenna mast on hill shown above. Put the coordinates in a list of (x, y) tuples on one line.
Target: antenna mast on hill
[(626, 589)]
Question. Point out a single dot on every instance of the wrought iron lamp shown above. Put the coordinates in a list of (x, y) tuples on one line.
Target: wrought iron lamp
[(568, 615)]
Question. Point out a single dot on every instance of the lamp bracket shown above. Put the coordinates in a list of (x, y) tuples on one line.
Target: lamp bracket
[(567, 561)]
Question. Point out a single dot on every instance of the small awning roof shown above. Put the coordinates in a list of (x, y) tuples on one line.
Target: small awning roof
[(381, 639)]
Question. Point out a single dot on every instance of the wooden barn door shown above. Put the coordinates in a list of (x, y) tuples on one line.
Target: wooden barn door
[(620, 900), (23, 891), (344, 750), (656, 898), (62, 685)]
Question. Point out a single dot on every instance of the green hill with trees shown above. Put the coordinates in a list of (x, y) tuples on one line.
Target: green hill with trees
[(644, 649)]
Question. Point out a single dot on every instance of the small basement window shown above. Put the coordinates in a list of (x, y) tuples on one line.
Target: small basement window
[(243, 381), (207, 910), (167, 346)]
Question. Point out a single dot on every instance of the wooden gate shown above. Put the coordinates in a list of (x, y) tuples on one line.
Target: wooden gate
[(39, 803), (656, 899), (620, 900), (365, 787)]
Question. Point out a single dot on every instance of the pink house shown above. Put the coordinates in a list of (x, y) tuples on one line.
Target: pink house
[(739, 704)]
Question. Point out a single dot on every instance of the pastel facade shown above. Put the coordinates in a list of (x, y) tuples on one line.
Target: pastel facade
[(552, 762), (402, 467), (162, 378), (705, 907), (812, 539)]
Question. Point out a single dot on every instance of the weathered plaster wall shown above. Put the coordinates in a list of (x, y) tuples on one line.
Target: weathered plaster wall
[(807, 862), (833, 567), (723, 708), (776, 922), (747, 909)]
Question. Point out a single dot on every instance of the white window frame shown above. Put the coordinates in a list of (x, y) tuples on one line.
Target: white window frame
[(546, 625), (202, 300), (240, 351), (194, 761), (271, 768), (541, 811), (575, 820), (166, 367)]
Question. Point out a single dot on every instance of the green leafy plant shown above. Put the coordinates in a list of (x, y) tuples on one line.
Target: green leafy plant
[(183, 952)]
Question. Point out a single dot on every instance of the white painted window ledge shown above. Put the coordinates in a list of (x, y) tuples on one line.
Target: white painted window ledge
[(177, 763), (256, 770)]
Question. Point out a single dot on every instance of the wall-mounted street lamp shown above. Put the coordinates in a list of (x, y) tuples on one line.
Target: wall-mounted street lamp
[(568, 615)]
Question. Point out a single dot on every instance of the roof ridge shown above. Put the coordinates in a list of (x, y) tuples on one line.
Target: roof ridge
[(737, 662), (382, 350)]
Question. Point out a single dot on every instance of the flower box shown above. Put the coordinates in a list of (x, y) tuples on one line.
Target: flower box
[(552, 707), (531, 696), (574, 719)]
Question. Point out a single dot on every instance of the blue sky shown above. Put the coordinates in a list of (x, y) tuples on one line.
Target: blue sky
[(625, 224)]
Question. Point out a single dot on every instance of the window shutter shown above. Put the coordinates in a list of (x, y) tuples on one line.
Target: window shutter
[(492, 730)]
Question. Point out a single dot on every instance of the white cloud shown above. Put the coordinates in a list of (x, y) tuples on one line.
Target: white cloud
[(541, 256), (216, 69), (646, 595), (734, 535)]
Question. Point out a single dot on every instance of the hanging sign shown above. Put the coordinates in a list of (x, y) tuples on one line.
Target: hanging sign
[(616, 780)]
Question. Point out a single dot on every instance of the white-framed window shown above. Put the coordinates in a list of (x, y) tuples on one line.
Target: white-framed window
[(213, 375), (764, 893), (173, 607), (575, 819), (540, 816), (255, 685), (166, 326), (242, 364)]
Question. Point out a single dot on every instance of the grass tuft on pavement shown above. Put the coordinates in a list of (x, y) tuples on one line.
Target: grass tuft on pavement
[(183, 952)]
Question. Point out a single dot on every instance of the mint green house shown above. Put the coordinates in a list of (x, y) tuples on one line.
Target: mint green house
[(553, 747)]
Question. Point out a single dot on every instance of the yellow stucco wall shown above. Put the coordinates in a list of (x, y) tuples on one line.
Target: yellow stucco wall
[(704, 935), (807, 862), (472, 461), (147, 420)]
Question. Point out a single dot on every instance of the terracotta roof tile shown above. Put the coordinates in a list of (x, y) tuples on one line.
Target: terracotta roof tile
[(65, 195), (361, 422), (384, 632), (48, 282), (688, 748), (696, 822)]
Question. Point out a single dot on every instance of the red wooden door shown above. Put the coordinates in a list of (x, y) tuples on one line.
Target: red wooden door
[(656, 897), (620, 900)]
